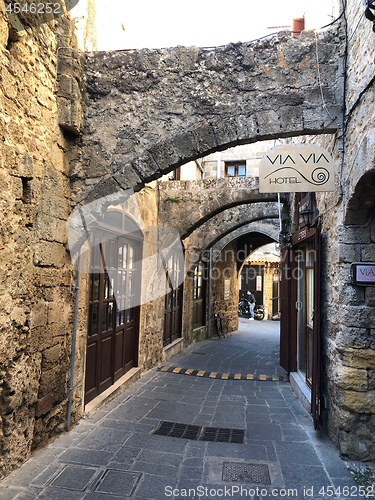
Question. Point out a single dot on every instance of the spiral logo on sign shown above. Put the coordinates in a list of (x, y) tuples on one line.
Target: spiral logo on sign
[(320, 175)]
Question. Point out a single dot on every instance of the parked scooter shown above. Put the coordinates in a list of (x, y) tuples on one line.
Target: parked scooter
[(244, 309)]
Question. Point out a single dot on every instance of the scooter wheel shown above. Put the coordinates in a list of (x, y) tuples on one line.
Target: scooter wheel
[(259, 316)]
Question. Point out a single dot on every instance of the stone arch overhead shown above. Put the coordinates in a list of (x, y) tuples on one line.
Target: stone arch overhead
[(268, 228), (226, 223), (359, 209), (360, 159), (150, 111), (187, 205), (229, 219)]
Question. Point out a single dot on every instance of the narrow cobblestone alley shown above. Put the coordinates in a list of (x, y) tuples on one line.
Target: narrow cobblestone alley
[(113, 454)]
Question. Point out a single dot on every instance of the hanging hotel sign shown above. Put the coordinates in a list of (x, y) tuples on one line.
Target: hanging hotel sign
[(362, 273), (301, 168)]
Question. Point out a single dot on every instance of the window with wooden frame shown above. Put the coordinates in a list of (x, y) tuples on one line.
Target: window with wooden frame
[(173, 299), (175, 175), (235, 169)]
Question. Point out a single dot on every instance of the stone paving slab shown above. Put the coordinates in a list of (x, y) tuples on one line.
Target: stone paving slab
[(114, 455)]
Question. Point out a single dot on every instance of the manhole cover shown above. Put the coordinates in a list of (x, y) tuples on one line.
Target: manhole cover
[(248, 473), (197, 352), (74, 477), (118, 483)]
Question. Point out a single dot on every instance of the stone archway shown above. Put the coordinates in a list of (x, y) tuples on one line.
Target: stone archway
[(150, 111), (351, 346), (268, 228), (187, 205), (230, 225)]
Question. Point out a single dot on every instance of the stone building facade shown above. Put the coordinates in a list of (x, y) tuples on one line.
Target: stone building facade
[(37, 278), (249, 155), (77, 128), (345, 222), (348, 236)]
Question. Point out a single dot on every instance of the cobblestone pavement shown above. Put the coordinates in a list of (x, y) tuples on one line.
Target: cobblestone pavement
[(114, 454)]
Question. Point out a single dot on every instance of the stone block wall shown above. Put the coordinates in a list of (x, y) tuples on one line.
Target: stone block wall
[(225, 268), (348, 313), (37, 285), (152, 313), (350, 341), (202, 199), (251, 154)]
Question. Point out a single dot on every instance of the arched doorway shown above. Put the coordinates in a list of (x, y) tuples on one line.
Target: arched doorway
[(260, 274)]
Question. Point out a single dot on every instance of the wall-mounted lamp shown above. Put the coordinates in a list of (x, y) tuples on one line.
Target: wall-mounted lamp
[(307, 216), (370, 12), (285, 237)]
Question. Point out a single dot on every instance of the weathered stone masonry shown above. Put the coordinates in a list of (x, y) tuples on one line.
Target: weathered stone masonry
[(149, 111), (348, 314), (196, 202), (145, 113), (37, 283)]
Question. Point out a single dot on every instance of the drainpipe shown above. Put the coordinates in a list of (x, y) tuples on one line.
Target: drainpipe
[(200, 168), (74, 343), (209, 295), (279, 205)]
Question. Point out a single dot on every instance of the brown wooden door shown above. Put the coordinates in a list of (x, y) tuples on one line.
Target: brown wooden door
[(112, 343), (316, 355), (199, 295), (173, 301), (300, 312)]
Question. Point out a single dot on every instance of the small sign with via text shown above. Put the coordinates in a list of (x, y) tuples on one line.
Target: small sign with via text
[(363, 273)]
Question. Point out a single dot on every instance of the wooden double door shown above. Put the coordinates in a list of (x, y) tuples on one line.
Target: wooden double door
[(173, 299), (113, 326)]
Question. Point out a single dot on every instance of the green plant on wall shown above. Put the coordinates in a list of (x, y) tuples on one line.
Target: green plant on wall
[(177, 200), (364, 477)]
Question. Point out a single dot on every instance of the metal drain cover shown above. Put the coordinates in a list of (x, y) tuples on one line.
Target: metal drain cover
[(248, 473), (118, 483), (199, 433)]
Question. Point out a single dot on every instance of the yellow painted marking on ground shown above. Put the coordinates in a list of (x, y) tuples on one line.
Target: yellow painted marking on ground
[(224, 376)]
